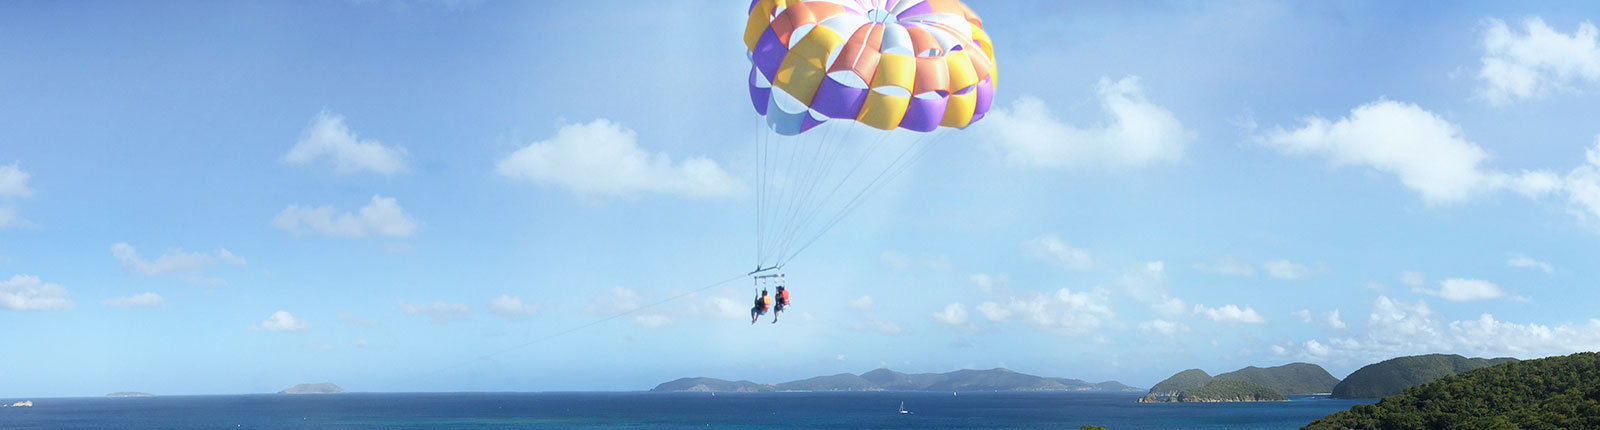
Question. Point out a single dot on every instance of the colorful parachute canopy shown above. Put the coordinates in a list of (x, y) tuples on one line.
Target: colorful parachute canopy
[(911, 64)]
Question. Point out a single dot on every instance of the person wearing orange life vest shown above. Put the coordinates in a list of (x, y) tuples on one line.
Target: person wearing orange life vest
[(762, 303), (783, 301)]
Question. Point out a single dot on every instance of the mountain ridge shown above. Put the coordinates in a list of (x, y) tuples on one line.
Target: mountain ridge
[(884, 379)]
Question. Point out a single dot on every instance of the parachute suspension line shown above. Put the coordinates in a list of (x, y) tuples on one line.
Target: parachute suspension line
[(787, 176), (894, 171), (870, 150), (802, 203), (761, 169), (809, 172)]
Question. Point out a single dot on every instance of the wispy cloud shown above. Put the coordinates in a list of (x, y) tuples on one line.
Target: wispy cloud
[(186, 265), (1051, 249), (145, 300), (1138, 132), (382, 216), (440, 312), (512, 307), (327, 137), (1524, 261), (601, 159)]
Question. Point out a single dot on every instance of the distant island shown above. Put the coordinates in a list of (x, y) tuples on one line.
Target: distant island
[(318, 388), (1250, 384), (129, 394), (1553, 393), (889, 380), (1393, 376)]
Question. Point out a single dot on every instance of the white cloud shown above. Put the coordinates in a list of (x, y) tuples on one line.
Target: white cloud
[(1065, 312), (717, 307), (146, 300), (282, 321), (1333, 320), (1464, 290), (602, 159), (1139, 132), (1230, 314), (1287, 270), (1582, 185), (14, 181), (863, 303), (987, 283), (1537, 61), (618, 299), (382, 216), (439, 312), (511, 307), (652, 320), (1304, 315), (953, 314), (880, 326), (187, 265), (1412, 279), (1051, 249), (1426, 152), (1227, 265), (28, 293), (1398, 328), (1525, 261), (327, 137), (1163, 328)]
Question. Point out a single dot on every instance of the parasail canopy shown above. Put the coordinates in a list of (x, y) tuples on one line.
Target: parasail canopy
[(910, 64)]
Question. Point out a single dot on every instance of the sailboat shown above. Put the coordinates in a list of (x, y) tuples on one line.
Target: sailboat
[(903, 408)]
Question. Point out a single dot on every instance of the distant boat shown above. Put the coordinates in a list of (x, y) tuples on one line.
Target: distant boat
[(903, 408)]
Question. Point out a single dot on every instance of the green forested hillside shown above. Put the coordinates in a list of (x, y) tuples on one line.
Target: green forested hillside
[(1392, 376), (1548, 393), (1220, 390), (1293, 378), (1185, 380)]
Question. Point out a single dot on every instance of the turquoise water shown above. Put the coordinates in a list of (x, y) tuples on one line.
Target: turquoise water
[(833, 410)]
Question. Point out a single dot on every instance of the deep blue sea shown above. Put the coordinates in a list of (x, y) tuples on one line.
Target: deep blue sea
[(831, 410)]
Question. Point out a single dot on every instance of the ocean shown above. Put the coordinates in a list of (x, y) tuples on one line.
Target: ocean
[(636, 410)]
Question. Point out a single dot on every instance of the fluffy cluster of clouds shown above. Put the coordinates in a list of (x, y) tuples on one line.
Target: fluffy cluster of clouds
[(1537, 61), (1429, 155), (601, 159), (28, 293), (1137, 132), (1397, 328), (1077, 313)]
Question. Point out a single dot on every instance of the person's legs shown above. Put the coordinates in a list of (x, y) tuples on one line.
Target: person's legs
[(753, 314)]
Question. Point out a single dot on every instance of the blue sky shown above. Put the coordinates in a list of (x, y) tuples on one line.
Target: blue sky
[(230, 197)]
